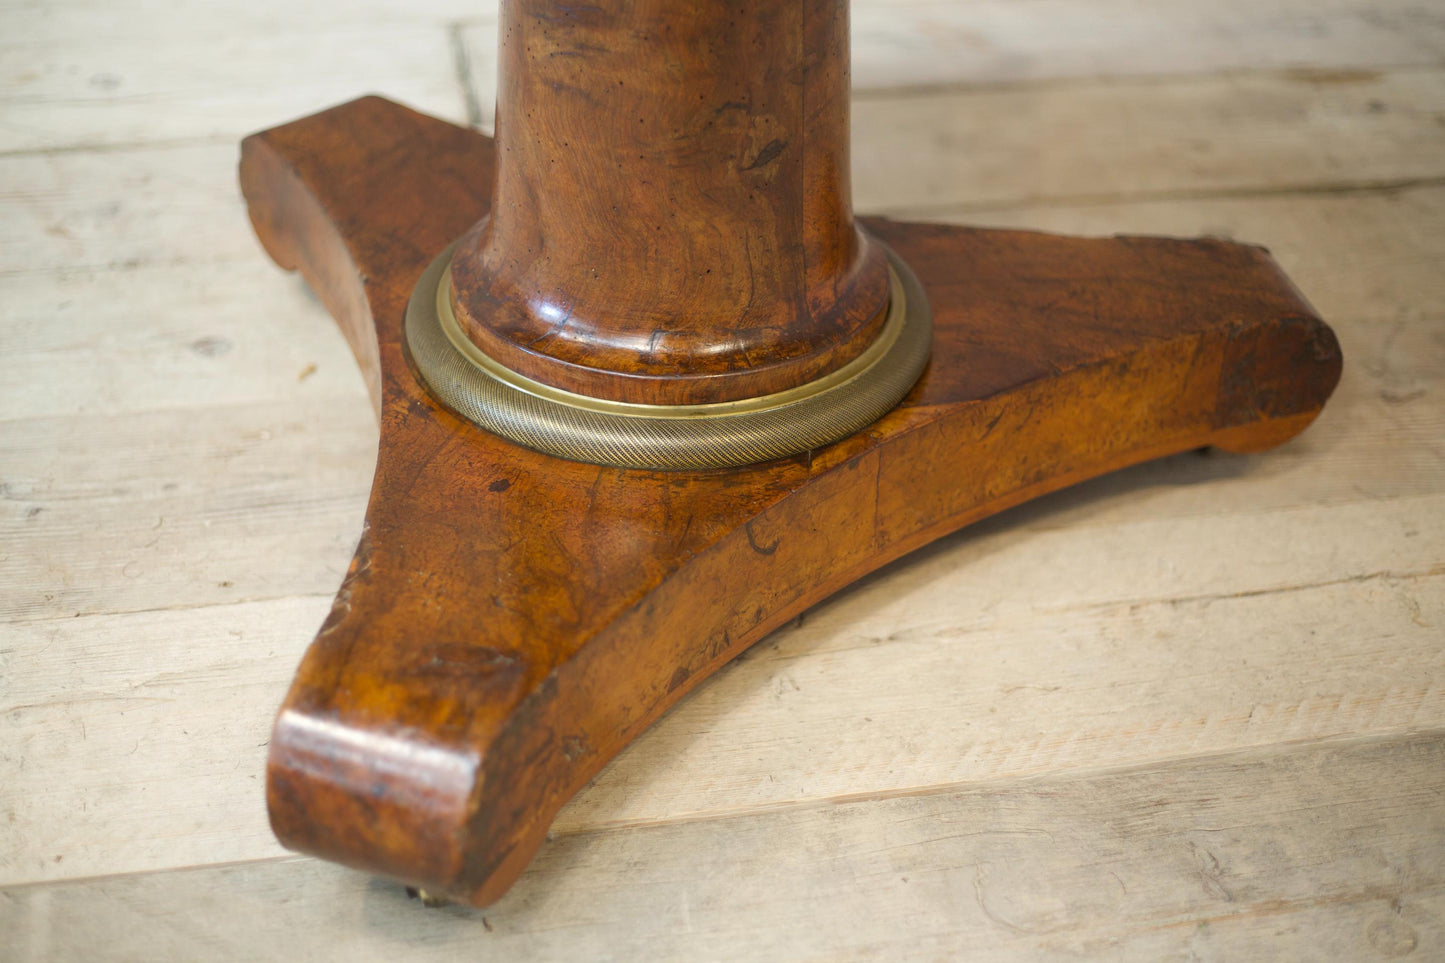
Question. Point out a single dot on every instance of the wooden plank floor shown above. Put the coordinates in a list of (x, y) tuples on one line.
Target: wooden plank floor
[(1193, 710)]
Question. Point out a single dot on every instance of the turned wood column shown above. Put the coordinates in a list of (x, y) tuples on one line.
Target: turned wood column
[(671, 219)]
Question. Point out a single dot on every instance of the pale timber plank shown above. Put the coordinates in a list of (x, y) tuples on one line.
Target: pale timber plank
[(1192, 136), (1213, 135), (127, 743), (1040, 654), (1255, 132), (71, 212), (1384, 428), (912, 43), (55, 22), (1323, 852), (176, 508), (1376, 256), (93, 73), (110, 342), (1018, 687), (268, 496), (899, 43), (96, 88), (1402, 233), (1390, 457), (1385, 463)]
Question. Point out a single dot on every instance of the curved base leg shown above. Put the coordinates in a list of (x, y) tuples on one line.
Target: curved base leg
[(511, 621)]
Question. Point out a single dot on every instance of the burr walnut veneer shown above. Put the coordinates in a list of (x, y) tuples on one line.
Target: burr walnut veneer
[(670, 217), (665, 219)]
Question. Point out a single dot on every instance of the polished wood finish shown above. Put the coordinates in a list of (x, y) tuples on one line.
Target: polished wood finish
[(671, 220), (511, 621)]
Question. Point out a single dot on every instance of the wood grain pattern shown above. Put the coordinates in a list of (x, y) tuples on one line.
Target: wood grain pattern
[(64, 217), (1019, 625), (1203, 136), (671, 220), (439, 728), (175, 473), (1295, 853), (98, 75)]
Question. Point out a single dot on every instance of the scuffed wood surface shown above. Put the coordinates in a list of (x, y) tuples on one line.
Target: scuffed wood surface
[(200, 485), (1290, 853)]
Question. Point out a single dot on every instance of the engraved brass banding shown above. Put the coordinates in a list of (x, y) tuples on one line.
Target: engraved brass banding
[(667, 437)]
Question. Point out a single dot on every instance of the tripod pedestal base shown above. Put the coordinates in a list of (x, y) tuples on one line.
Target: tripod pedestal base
[(512, 620)]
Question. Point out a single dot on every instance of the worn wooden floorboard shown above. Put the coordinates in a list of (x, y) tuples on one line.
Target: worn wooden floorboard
[(89, 74), (93, 235), (931, 44), (968, 152), (1299, 852), (189, 511), (96, 89), (902, 43), (215, 335), (979, 150), (218, 490), (266, 504), (100, 709), (1260, 133), (1196, 708)]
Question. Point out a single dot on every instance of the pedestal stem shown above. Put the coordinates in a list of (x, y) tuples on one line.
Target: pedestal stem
[(671, 220)]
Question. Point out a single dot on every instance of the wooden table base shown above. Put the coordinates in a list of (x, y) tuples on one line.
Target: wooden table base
[(511, 620)]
